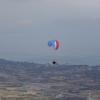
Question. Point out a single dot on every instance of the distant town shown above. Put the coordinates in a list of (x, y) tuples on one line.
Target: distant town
[(33, 81)]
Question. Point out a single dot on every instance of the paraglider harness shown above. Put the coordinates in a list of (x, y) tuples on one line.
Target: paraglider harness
[(54, 62)]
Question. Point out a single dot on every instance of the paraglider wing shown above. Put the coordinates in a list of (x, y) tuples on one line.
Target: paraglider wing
[(54, 43)]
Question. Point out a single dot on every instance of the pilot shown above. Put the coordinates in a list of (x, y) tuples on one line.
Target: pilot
[(54, 62)]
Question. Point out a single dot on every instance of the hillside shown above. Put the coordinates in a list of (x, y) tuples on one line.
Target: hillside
[(32, 81)]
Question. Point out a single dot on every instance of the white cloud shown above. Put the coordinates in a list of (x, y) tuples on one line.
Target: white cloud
[(26, 22), (76, 3), (95, 17)]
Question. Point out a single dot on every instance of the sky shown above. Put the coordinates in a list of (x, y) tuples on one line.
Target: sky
[(26, 26)]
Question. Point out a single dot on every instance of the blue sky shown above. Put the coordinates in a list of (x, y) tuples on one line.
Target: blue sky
[(27, 25)]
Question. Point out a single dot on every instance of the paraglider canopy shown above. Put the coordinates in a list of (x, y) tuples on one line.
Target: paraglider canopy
[(54, 44)]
